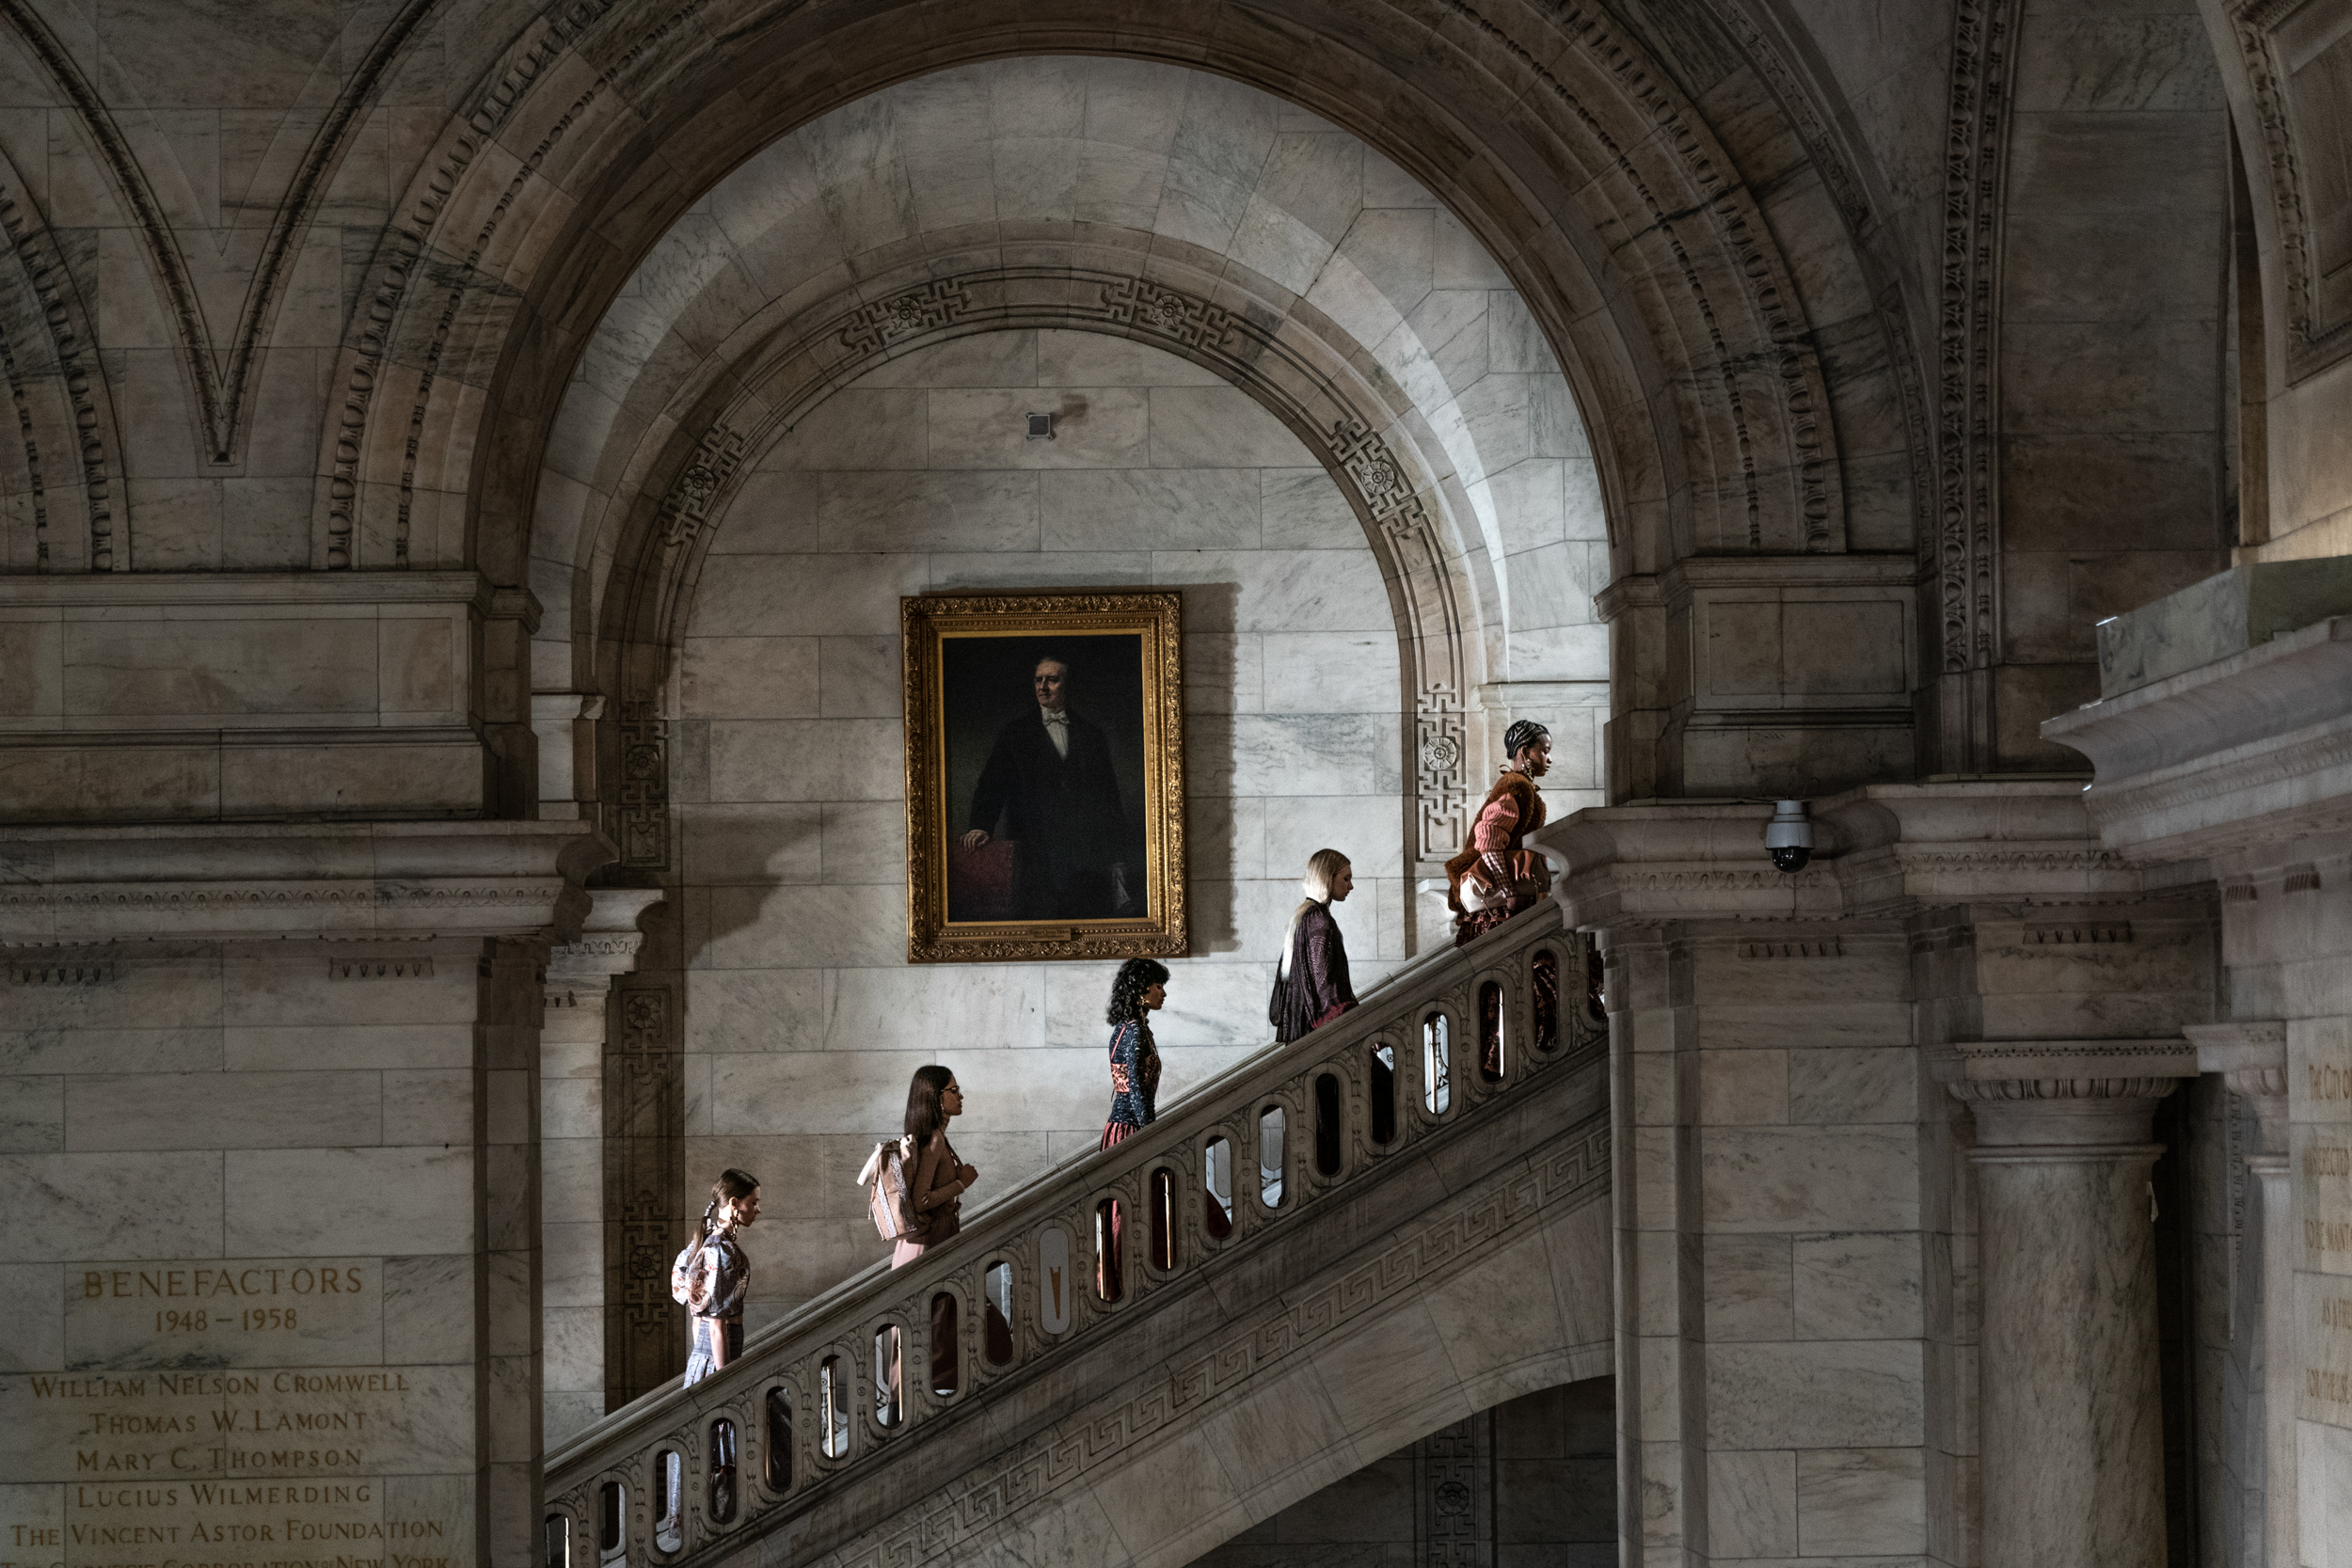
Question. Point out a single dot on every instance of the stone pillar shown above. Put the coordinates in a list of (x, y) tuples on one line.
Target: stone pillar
[(271, 1266), (1801, 1276), (2253, 1059), (2241, 764), (571, 1152), (2072, 1412)]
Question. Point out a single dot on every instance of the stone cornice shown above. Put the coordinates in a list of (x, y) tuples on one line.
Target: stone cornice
[(279, 880), (1879, 850), (2244, 754), (2007, 1064), (2251, 1057), (305, 589)]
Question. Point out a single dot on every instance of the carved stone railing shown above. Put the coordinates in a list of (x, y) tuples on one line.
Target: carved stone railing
[(806, 1414)]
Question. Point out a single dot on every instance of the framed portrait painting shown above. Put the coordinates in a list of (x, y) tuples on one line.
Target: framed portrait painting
[(1045, 775)]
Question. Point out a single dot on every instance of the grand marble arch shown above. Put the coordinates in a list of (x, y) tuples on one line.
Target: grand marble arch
[(447, 749), (804, 405)]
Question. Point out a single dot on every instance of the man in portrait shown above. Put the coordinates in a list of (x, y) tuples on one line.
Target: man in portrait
[(1049, 786)]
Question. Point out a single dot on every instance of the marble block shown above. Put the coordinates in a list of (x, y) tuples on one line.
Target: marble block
[(2225, 614)]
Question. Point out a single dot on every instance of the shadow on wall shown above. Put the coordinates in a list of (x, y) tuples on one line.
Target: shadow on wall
[(1209, 770), (1531, 1482)]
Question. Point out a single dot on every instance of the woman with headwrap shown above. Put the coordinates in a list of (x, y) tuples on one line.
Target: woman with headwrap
[(1495, 877)]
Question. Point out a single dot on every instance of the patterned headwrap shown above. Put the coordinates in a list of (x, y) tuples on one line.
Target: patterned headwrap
[(1523, 734)]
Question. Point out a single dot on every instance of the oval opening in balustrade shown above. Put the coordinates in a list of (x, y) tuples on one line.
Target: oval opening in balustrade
[(556, 1540), (833, 1407), (1543, 973), (1383, 1129), (946, 1370), (886, 1359), (611, 1502), (1270, 1156), (1055, 1283), (669, 1486), (997, 1316), (1436, 1061), (1164, 1219), (1110, 1233), (723, 1472), (779, 1454), (1490, 1032), (1217, 1185), (1327, 1124)]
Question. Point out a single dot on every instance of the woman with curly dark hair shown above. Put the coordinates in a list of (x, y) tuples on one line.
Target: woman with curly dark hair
[(1140, 990)]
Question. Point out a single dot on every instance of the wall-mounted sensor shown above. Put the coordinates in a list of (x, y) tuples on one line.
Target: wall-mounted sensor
[(1788, 838), (1041, 427)]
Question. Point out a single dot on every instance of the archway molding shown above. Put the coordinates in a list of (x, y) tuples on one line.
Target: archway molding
[(1367, 434), (1560, 139), (66, 463)]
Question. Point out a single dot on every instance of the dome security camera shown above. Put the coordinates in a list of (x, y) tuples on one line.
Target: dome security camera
[(1788, 838)]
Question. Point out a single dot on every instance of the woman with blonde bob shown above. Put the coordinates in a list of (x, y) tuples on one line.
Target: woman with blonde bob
[(1310, 986)]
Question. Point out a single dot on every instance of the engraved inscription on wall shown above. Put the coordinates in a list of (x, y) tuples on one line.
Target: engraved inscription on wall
[(2324, 1304), (235, 1411)]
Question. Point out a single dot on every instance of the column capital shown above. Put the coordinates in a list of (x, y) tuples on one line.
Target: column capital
[(2251, 1057), (2067, 1100), (608, 937)]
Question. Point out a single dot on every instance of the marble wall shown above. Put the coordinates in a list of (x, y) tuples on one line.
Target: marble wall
[(801, 1018), (2111, 374), (1129, 165), (271, 1263), (1530, 1483)]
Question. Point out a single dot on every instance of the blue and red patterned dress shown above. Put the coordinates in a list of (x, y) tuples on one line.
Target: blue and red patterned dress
[(1135, 1081)]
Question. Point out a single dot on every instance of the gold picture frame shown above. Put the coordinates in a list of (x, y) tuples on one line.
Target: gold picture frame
[(1030, 836)]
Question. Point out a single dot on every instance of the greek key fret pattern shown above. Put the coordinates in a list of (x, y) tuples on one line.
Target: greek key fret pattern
[(687, 507), (937, 304), (1454, 1501), (645, 810), (1441, 782), (1192, 321), (642, 1173)]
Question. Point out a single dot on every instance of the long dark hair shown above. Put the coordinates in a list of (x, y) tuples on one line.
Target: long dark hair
[(1136, 976), (732, 1185), (924, 1115)]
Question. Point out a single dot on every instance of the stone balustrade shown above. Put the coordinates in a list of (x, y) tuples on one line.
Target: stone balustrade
[(1259, 1170)]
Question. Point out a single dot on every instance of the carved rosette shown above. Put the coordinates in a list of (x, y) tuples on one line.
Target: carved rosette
[(644, 818), (1455, 1518)]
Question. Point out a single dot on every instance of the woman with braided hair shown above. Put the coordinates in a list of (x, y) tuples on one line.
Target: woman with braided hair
[(713, 1277), (1495, 877)]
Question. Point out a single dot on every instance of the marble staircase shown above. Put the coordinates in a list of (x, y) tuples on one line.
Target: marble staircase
[(1330, 1250)]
